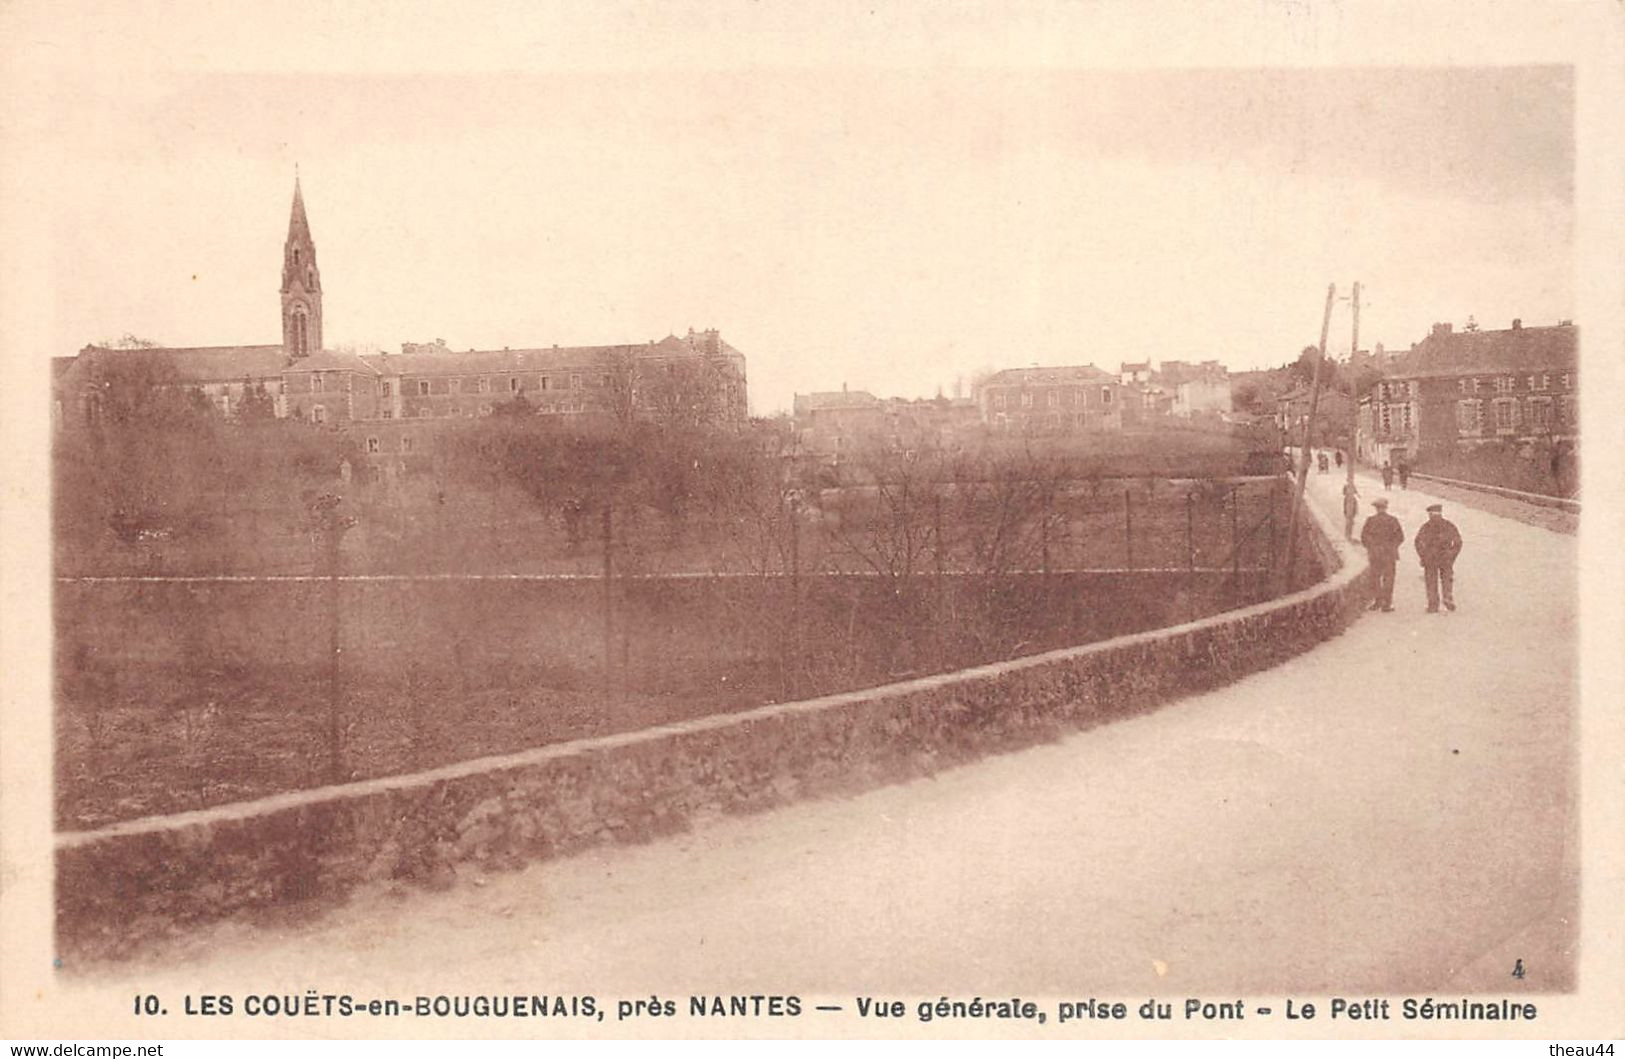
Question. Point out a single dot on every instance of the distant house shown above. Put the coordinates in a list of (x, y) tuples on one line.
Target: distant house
[(836, 424), (1198, 389), (1334, 416), (1177, 388), (1052, 400), (1203, 396), (1131, 373), (1466, 389)]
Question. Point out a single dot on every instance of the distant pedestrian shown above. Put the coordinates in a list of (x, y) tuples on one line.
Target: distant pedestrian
[(1438, 543), (1325, 464), (1404, 470), (1382, 535), (1351, 508), (1338, 456), (1387, 475)]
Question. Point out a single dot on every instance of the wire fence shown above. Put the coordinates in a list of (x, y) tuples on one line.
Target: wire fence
[(177, 691)]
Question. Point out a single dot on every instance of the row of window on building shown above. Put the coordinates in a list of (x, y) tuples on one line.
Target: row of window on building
[(484, 384), (1052, 398), (1509, 383), (1503, 415), (1406, 390), (318, 413), (1510, 415), (566, 406), (332, 382)]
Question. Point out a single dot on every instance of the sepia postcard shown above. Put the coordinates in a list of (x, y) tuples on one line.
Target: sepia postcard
[(757, 520)]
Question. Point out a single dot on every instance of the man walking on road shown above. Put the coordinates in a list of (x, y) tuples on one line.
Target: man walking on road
[(1387, 475), (1438, 543), (1404, 470), (1382, 535), (1351, 508)]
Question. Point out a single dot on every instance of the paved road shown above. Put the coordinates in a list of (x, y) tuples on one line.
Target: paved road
[(1391, 812)]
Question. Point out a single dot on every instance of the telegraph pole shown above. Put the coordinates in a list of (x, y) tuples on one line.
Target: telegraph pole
[(1354, 353), (1308, 438)]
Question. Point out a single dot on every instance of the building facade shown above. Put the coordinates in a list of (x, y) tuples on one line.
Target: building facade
[(1463, 390), (1052, 400), (834, 425), (698, 379), (1199, 397), (1334, 416)]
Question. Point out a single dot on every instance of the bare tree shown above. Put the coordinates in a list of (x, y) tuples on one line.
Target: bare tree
[(685, 393), (620, 369), (887, 517), (1002, 504)]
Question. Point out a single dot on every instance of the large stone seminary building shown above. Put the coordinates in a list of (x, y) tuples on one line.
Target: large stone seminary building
[(698, 377)]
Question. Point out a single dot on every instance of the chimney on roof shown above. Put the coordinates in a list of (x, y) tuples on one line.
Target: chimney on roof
[(843, 387), (1517, 324)]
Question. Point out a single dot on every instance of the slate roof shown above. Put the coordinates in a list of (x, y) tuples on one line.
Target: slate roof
[(329, 360), (552, 358), (825, 400), (1513, 351), (1080, 374), (205, 364), (201, 364)]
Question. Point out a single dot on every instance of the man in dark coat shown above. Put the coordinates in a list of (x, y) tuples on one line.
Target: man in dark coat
[(1351, 508), (1387, 475), (1404, 471), (1438, 543), (1382, 535)]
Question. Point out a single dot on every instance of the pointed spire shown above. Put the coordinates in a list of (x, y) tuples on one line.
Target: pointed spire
[(298, 226)]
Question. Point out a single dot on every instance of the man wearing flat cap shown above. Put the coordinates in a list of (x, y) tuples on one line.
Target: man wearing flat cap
[(1438, 543), (1382, 535)]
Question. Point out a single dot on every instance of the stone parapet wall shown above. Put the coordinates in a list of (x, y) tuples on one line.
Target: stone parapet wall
[(1538, 499), (130, 881)]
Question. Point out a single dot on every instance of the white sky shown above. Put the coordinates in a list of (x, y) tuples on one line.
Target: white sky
[(895, 226)]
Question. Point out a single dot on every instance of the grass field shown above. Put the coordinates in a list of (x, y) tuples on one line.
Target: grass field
[(175, 696)]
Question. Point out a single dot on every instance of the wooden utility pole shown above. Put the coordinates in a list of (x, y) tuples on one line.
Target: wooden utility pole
[(609, 603), (1354, 353), (335, 663), (1128, 529), (1308, 437)]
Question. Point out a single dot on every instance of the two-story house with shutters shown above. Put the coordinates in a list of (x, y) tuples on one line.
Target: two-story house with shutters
[(1471, 388), (1061, 400)]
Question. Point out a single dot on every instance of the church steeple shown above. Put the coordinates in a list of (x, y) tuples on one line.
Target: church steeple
[(301, 284)]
